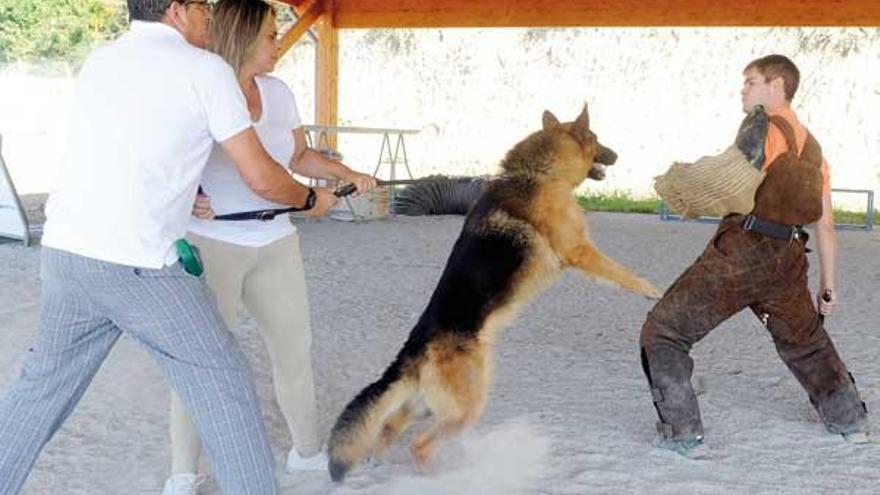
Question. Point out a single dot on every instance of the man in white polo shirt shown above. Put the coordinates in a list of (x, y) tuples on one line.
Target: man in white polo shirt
[(147, 109)]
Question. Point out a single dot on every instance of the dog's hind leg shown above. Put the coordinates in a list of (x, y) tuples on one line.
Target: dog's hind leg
[(448, 423), (425, 445), (394, 426), (454, 388), (596, 264)]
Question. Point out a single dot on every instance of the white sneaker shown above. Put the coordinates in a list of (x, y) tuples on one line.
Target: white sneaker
[(317, 462), (183, 484)]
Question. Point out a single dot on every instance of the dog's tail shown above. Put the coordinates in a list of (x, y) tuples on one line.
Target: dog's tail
[(362, 420)]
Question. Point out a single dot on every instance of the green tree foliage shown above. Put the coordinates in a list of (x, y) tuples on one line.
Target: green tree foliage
[(34, 30)]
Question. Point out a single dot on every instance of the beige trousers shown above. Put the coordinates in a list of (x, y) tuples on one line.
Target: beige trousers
[(270, 282)]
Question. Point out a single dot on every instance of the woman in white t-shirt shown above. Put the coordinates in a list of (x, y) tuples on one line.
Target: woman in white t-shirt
[(252, 262)]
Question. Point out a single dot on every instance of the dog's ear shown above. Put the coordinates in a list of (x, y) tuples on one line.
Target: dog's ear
[(549, 121), (582, 123)]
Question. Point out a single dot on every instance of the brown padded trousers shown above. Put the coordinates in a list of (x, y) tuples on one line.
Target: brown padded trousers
[(740, 269)]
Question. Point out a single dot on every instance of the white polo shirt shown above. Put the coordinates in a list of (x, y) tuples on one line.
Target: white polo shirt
[(147, 110)]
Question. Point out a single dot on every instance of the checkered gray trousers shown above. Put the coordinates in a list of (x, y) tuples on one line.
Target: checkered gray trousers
[(86, 304)]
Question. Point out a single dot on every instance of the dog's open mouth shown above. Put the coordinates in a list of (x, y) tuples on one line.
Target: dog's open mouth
[(604, 158), (598, 171)]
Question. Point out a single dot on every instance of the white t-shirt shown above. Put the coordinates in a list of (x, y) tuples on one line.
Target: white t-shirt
[(147, 110), (229, 193)]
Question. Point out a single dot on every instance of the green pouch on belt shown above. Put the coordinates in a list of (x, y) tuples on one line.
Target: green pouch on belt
[(189, 257)]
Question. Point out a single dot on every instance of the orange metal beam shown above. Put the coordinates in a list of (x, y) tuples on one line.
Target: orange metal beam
[(538, 13)]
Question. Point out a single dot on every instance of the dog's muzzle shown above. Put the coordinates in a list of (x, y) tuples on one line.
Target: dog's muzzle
[(597, 172), (605, 156)]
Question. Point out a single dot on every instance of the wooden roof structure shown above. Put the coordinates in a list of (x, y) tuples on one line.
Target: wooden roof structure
[(327, 17)]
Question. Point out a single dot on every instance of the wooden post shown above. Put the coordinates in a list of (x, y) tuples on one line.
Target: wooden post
[(327, 70)]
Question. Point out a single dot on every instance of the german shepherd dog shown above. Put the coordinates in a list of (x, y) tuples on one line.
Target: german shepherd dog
[(518, 237)]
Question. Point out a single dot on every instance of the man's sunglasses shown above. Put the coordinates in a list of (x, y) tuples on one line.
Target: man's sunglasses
[(202, 3)]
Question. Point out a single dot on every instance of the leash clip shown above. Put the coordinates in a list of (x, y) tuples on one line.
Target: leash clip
[(749, 223), (266, 215)]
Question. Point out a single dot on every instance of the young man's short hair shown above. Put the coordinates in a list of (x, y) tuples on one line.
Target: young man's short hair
[(148, 10), (773, 66)]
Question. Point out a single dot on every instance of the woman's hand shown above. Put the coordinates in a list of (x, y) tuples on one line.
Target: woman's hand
[(363, 182), (202, 207)]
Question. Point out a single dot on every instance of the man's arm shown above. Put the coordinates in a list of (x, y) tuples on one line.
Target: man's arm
[(826, 243), (266, 178), (261, 173)]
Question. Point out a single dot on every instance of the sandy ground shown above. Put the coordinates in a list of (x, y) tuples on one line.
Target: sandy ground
[(569, 411)]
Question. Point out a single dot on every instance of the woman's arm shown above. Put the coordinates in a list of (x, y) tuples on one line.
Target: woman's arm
[(309, 163)]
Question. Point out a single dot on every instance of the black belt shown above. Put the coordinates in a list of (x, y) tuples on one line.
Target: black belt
[(270, 213), (773, 229), (262, 215)]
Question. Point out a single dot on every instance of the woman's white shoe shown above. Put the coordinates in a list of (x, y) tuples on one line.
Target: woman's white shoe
[(317, 462), (183, 484)]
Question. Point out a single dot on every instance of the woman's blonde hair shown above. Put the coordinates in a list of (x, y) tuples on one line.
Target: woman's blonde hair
[(236, 27)]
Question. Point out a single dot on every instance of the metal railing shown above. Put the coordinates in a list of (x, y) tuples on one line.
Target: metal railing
[(390, 154)]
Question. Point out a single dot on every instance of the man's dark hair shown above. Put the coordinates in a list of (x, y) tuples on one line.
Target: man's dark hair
[(773, 66), (147, 10)]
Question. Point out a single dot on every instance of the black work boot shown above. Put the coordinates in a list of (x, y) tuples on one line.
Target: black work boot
[(679, 426), (844, 413)]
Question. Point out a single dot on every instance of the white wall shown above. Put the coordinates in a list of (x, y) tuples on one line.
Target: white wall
[(655, 95)]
